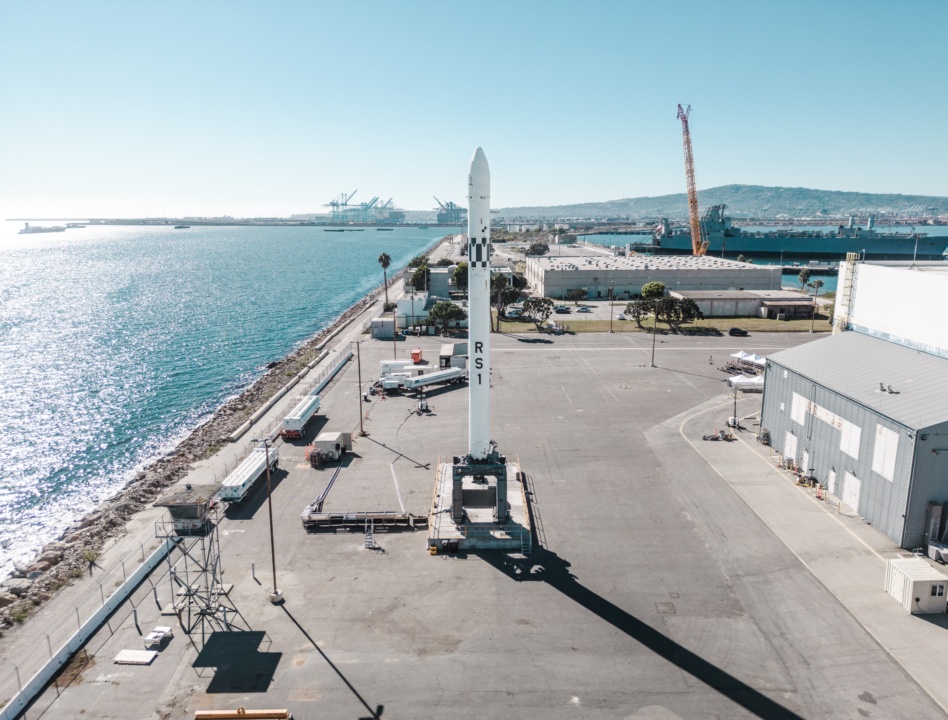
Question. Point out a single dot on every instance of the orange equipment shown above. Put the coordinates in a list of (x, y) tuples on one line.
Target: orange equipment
[(699, 246)]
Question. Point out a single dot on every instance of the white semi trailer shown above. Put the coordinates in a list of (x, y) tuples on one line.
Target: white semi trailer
[(451, 375), (236, 485), (295, 423)]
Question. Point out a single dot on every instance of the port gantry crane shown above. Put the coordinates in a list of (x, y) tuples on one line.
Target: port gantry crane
[(699, 246)]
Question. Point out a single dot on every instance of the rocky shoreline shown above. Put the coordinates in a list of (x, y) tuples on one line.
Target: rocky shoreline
[(58, 563)]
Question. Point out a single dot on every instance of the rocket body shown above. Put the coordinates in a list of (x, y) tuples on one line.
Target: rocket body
[(478, 288)]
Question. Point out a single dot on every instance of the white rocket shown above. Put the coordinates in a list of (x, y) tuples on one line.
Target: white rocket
[(478, 288)]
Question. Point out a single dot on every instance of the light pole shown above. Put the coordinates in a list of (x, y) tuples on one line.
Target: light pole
[(612, 293), (359, 366), (395, 332), (816, 294), (276, 596), (736, 424), (654, 327)]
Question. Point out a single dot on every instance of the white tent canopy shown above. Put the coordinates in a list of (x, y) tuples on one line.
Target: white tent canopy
[(742, 382), (750, 358)]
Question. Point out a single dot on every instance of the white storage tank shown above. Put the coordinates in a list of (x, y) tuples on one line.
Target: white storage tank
[(916, 585)]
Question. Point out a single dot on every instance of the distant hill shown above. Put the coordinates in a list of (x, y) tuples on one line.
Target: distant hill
[(746, 201)]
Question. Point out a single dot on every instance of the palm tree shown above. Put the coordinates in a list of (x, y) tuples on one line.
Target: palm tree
[(816, 285), (804, 278), (385, 260)]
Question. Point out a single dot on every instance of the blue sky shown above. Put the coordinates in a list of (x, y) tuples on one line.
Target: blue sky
[(240, 108)]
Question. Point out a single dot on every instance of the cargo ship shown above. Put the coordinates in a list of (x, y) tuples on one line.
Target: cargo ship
[(30, 229), (723, 239)]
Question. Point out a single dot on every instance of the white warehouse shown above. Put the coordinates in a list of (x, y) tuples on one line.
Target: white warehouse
[(866, 410), (553, 277)]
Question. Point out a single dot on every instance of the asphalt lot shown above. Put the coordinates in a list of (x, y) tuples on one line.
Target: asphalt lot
[(658, 592)]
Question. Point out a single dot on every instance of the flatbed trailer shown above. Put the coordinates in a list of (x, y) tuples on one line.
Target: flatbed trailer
[(313, 520), (451, 375)]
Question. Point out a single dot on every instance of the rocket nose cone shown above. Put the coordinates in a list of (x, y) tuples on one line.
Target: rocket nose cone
[(479, 166)]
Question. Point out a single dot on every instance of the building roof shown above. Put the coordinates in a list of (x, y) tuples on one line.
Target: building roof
[(598, 263), (927, 266), (771, 295), (853, 364)]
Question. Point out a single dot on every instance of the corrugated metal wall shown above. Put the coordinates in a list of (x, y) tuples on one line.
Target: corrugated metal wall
[(930, 483), (850, 448)]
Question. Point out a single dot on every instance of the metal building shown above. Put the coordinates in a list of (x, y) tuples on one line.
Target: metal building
[(869, 419), (624, 277)]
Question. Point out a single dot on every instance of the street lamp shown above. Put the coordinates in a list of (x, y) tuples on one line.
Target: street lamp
[(276, 596), (816, 294), (359, 366), (654, 327), (612, 293)]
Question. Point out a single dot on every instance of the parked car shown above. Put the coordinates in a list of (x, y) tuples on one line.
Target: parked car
[(585, 309), (621, 316), (562, 310), (513, 313), (737, 332)]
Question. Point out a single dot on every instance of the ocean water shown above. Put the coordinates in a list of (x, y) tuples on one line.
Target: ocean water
[(116, 341)]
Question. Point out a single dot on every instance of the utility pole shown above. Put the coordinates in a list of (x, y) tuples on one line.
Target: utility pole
[(612, 292), (359, 366), (395, 332), (276, 596), (654, 327)]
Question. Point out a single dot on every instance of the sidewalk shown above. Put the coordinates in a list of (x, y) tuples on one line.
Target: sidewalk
[(846, 554)]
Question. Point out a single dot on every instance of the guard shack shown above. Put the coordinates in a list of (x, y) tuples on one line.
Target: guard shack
[(916, 585)]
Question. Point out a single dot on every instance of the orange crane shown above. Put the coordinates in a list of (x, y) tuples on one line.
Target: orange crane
[(699, 246)]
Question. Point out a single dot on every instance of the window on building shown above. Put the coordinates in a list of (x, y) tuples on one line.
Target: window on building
[(938, 591), (884, 451)]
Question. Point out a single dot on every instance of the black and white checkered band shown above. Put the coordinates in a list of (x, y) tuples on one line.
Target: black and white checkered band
[(478, 253)]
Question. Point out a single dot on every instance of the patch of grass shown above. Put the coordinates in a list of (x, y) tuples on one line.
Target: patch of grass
[(72, 671), (20, 612), (707, 326), (90, 555)]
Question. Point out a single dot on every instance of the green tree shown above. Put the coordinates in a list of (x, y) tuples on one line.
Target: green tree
[(576, 295), (688, 310), (385, 260), (804, 277), (502, 295), (741, 258), (418, 261), (444, 313), (538, 248), (444, 262), (638, 310), (460, 276), (653, 290), (668, 310), (420, 278), (816, 285), (538, 310), (518, 281)]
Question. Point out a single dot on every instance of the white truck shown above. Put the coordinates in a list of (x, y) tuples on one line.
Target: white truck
[(236, 485), (295, 423)]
